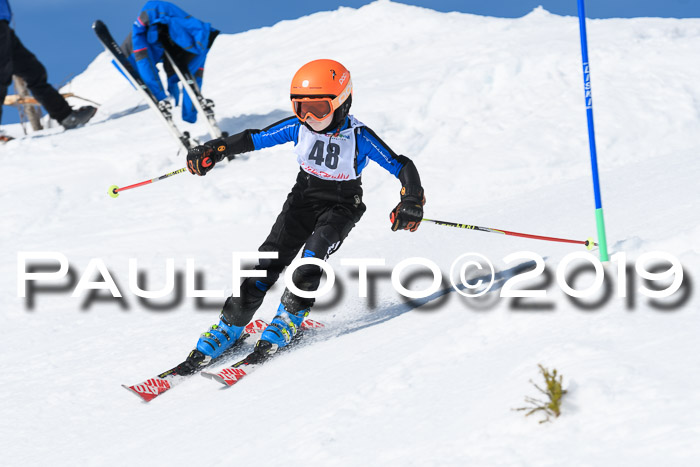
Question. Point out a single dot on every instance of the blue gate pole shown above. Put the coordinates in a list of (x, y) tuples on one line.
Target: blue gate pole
[(602, 242)]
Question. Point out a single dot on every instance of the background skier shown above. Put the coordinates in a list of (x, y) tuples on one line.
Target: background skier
[(332, 149), (16, 59), (162, 25)]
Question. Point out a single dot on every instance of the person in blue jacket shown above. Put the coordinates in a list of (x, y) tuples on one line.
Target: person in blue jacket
[(162, 25), (15, 59), (332, 148)]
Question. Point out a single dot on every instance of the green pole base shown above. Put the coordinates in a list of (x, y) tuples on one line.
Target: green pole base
[(602, 241)]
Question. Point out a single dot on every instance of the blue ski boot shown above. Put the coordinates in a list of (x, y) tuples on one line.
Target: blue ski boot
[(211, 344), (219, 338), (279, 333)]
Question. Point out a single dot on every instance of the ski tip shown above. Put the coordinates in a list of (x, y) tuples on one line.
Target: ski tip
[(228, 376), (149, 390), (141, 396), (215, 377), (97, 24), (221, 380)]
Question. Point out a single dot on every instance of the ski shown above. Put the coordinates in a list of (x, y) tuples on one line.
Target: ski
[(124, 66), (154, 387), (204, 106), (239, 370)]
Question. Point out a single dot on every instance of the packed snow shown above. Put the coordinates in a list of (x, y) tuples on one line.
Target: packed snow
[(492, 112)]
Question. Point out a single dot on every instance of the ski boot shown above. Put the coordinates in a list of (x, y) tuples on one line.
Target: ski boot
[(211, 344), (278, 334)]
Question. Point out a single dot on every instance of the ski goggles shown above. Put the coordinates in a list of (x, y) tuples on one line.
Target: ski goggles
[(316, 108), (319, 108)]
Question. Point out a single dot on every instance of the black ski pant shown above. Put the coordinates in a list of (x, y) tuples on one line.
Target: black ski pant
[(15, 59), (318, 215)]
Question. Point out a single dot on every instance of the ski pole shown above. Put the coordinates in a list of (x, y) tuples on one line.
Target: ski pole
[(114, 189), (589, 243)]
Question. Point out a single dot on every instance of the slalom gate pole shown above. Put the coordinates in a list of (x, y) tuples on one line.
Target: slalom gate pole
[(600, 222), (114, 189), (588, 243)]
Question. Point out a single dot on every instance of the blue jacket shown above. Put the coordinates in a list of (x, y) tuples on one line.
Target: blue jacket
[(5, 11), (187, 32)]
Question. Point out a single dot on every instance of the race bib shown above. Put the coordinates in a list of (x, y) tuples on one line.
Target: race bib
[(328, 156)]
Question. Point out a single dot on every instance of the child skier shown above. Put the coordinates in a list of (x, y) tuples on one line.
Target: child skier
[(325, 203)]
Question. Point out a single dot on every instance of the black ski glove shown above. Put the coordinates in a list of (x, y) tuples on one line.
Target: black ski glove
[(201, 159), (409, 212)]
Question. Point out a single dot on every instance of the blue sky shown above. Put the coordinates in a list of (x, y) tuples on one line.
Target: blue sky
[(59, 32)]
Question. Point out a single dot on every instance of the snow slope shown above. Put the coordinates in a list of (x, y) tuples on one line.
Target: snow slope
[(491, 111)]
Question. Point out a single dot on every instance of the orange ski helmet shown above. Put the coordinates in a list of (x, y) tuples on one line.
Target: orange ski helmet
[(319, 88)]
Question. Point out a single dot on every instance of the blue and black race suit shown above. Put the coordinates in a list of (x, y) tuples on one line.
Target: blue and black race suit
[(323, 206)]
